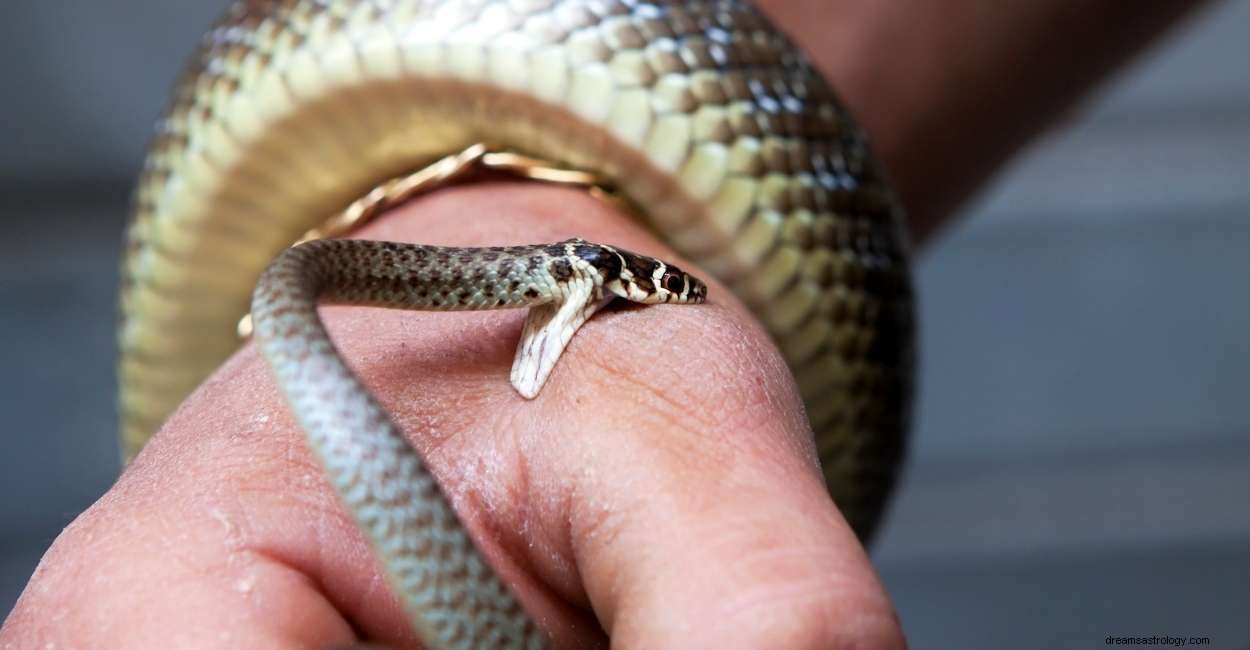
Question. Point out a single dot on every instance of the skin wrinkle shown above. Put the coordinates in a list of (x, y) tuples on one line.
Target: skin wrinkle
[(332, 524), (324, 510), (596, 531), (619, 330), (683, 394), (541, 502), (470, 362), (562, 591), (683, 441), (217, 576), (656, 405), (502, 529), (589, 523), (374, 595), (803, 592), (237, 521), (764, 554), (593, 529)]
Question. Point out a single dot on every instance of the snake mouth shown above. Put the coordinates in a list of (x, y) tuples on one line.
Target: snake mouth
[(697, 292)]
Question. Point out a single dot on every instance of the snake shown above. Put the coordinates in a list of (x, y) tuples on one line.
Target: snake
[(703, 116), (445, 584)]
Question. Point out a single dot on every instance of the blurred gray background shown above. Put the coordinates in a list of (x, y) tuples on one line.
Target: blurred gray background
[(1081, 463)]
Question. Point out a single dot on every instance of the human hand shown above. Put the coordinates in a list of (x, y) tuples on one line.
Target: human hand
[(662, 489), (664, 482)]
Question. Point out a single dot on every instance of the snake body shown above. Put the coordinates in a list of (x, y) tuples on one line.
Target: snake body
[(701, 113), (453, 597)]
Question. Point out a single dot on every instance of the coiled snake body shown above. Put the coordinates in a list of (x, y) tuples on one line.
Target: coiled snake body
[(700, 113)]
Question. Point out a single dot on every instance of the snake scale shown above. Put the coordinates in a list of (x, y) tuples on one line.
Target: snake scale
[(701, 114), (448, 588)]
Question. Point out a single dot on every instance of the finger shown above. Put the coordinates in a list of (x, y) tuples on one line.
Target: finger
[(700, 517), (166, 559)]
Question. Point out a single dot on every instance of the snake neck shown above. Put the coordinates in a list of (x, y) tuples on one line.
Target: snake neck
[(411, 276)]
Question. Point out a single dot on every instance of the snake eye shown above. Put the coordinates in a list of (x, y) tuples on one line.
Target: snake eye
[(673, 283)]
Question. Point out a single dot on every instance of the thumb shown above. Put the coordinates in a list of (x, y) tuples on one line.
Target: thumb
[(710, 526)]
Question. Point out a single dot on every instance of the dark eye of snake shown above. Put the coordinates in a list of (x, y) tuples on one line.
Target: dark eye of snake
[(672, 282)]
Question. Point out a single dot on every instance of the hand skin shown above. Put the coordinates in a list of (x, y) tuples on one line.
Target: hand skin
[(662, 489), (664, 480)]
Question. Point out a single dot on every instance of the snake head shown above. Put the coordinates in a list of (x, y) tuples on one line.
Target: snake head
[(651, 281), (670, 284)]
